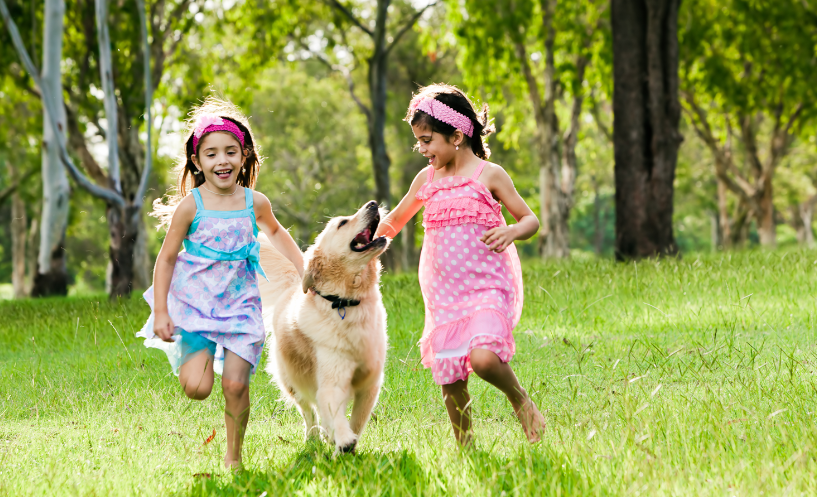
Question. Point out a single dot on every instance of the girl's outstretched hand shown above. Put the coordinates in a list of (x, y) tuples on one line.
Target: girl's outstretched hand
[(163, 326), (497, 239)]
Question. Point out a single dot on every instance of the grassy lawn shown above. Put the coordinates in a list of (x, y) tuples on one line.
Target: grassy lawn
[(690, 377)]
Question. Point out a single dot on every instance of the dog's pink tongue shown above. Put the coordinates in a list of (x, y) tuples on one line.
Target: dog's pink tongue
[(364, 236)]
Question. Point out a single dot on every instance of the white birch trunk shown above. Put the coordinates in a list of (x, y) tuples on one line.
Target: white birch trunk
[(56, 190), (106, 75)]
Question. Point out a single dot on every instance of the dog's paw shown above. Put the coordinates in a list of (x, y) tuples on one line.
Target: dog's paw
[(347, 449)]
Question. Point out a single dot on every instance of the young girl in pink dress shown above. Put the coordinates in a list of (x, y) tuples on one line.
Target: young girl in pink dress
[(206, 306), (470, 274)]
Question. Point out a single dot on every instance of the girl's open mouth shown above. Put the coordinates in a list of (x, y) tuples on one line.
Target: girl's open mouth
[(223, 173)]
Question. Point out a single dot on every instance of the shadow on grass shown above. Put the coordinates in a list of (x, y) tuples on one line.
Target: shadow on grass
[(314, 471)]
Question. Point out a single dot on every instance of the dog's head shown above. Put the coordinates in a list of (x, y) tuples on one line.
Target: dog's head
[(345, 247)]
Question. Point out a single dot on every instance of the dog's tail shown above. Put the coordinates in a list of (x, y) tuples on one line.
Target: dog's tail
[(282, 275)]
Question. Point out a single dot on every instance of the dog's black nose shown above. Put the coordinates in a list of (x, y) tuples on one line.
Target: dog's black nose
[(371, 204)]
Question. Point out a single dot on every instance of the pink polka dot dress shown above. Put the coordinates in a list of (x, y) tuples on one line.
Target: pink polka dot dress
[(473, 297)]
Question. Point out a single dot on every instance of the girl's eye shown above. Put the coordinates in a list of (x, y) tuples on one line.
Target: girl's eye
[(342, 223)]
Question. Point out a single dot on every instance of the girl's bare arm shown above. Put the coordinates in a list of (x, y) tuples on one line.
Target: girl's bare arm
[(280, 238), (527, 224), (165, 263), (405, 210)]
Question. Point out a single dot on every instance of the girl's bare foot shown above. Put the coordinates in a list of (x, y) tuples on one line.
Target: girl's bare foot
[(233, 465), (533, 423)]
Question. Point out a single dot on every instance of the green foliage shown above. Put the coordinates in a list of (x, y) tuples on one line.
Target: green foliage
[(314, 139), (487, 36), (672, 377), (749, 56)]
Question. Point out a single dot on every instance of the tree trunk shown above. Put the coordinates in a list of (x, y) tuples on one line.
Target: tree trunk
[(554, 239), (19, 233), (723, 213), (598, 235), (766, 229), (52, 277), (408, 255), (807, 216), (123, 231), (715, 234), (142, 264), (377, 94), (645, 129), (33, 243), (740, 225)]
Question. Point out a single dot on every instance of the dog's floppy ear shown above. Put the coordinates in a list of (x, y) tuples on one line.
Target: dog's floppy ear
[(308, 281)]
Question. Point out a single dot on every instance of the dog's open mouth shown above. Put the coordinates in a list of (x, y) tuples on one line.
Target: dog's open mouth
[(364, 241)]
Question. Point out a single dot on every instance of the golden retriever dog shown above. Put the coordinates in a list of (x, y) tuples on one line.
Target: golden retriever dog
[(327, 333)]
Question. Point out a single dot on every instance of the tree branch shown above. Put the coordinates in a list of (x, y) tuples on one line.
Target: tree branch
[(77, 142), (594, 111), (533, 86), (411, 22), (7, 191), (109, 99), (106, 194), (723, 162), (143, 182), (348, 13), (346, 74)]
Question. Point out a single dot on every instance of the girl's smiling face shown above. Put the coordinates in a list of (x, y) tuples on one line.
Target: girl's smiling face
[(435, 147), (220, 159)]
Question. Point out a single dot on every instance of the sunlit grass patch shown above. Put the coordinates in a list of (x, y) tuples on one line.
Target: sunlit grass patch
[(673, 377)]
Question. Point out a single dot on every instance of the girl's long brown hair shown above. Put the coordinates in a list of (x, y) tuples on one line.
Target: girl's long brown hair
[(184, 169)]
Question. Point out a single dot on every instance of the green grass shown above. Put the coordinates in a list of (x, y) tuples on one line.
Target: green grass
[(689, 377)]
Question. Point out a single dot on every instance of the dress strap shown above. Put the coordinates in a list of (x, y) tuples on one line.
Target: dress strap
[(248, 197), (480, 167), (430, 175), (197, 197), (248, 201)]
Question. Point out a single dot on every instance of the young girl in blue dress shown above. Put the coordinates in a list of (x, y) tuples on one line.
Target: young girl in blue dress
[(205, 301)]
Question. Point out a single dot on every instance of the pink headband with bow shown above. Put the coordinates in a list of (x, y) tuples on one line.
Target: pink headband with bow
[(208, 123), (444, 113)]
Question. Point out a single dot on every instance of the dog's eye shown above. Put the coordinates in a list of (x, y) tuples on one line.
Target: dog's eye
[(343, 222)]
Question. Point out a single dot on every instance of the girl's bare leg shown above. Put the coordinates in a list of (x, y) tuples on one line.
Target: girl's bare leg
[(196, 376), (487, 366), (458, 404), (235, 383)]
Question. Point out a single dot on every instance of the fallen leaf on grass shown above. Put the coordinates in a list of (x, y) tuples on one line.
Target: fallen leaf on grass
[(176, 433), (211, 437), (284, 440), (739, 420), (202, 475)]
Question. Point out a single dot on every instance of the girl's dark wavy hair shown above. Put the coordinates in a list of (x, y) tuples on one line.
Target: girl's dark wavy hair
[(186, 180), (456, 99)]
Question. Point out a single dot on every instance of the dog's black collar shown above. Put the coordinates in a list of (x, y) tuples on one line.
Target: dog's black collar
[(338, 303)]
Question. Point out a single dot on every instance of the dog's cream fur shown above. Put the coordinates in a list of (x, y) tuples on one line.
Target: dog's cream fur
[(320, 361)]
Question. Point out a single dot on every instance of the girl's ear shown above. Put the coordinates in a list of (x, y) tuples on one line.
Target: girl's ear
[(458, 138), (195, 161)]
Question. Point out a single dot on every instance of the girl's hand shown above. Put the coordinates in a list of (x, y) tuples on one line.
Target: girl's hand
[(163, 326), (497, 239)]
